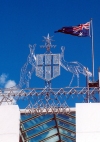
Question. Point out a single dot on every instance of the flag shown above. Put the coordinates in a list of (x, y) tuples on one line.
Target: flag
[(81, 30)]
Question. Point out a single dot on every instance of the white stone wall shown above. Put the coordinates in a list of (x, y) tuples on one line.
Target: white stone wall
[(88, 122), (9, 123)]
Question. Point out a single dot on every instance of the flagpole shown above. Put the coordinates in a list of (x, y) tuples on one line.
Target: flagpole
[(92, 50)]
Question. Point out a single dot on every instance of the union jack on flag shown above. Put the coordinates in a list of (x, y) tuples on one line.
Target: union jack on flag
[(81, 30)]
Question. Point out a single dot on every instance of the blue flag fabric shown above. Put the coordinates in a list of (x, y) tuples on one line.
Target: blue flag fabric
[(81, 30)]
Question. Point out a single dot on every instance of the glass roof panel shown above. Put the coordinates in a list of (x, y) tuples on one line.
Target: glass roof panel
[(48, 127), (25, 117), (67, 133), (66, 125), (44, 136), (67, 139), (41, 128), (53, 139), (36, 120), (69, 118)]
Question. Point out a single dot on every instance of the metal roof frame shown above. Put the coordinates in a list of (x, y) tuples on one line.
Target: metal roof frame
[(57, 126)]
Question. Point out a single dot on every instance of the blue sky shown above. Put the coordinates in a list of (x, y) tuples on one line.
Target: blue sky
[(25, 22)]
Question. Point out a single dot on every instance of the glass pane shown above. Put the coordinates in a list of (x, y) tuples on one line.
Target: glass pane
[(70, 127), (41, 128), (68, 133), (53, 139), (37, 120), (66, 117), (44, 136), (25, 117), (66, 139)]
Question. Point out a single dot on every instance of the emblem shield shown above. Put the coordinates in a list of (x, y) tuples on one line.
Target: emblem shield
[(47, 66)]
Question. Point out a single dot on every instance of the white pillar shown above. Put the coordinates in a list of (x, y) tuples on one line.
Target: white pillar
[(9, 123), (88, 122)]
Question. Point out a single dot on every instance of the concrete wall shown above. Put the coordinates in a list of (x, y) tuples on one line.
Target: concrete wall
[(9, 123), (88, 122)]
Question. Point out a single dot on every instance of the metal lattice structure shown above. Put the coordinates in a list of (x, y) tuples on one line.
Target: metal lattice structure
[(47, 67), (55, 100)]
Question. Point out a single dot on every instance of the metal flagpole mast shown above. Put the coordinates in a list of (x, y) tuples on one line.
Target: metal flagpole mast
[(92, 50)]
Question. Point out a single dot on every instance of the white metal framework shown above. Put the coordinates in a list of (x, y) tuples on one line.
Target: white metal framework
[(47, 67)]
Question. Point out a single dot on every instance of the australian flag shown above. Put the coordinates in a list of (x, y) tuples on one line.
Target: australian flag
[(81, 30)]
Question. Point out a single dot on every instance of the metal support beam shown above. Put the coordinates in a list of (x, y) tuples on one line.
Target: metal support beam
[(57, 128), (22, 138), (28, 111), (87, 85)]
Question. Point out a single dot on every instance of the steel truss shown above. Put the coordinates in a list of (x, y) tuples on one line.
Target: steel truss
[(49, 100)]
